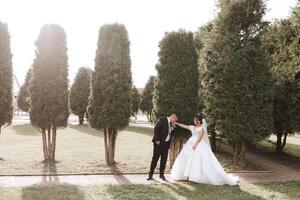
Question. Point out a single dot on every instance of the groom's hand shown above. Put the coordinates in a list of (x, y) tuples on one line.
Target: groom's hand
[(157, 142), (174, 124)]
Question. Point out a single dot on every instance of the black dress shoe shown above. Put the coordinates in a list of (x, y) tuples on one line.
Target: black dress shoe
[(150, 178), (162, 177)]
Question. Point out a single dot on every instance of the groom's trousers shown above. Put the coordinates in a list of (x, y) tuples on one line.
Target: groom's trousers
[(159, 151)]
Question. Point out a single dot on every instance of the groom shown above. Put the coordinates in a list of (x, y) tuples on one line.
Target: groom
[(161, 143)]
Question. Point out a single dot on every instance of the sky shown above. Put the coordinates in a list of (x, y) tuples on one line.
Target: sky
[(146, 23)]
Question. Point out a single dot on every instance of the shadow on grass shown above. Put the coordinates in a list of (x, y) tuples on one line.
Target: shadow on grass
[(90, 131), (285, 158), (137, 192), (178, 191), (121, 179), (289, 191), (274, 190), (49, 172), (25, 130), (140, 130), (86, 129), (52, 192), (50, 187)]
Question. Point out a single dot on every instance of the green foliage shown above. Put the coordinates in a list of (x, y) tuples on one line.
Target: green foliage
[(80, 91), (6, 82), (23, 97), (282, 42), (110, 105), (135, 100), (234, 67), (176, 87), (146, 103), (201, 36), (49, 83)]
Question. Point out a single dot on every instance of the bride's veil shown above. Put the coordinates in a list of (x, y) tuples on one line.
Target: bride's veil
[(205, 136)]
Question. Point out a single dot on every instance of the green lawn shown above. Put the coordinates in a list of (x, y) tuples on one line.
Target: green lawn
[(290, 156), (272, 191), (80, 149)]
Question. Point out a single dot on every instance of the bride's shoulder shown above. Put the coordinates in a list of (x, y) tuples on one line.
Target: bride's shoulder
[(191, 127)]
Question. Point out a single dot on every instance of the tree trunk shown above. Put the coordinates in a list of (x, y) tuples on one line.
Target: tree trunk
[(172, 152), (45, 147), (81, 119), (110, 138), (105, 131), (54, 141), (49, 142), (213, 141), (239, 153), (175, 148), (148, 117), (279, 143)]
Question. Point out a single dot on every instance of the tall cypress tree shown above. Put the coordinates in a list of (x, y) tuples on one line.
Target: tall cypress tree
[(23, 97), (80, 91), (135, 100), (201, 37), (176, 88), (146, 103), (49, 86), (109, 108), (6, 73), (282, 41), (236, 80)]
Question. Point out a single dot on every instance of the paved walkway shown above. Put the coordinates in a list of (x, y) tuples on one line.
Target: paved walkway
[(84, 180), (277, 172)]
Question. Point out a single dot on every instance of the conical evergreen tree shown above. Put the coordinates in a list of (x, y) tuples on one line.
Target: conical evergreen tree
[(146, 103), (23, 97), (282, 41), (236, 81), (176, 88), (6, 79), (48, 88), (202, 36), (135, 100), (110, 106), (80, 92)]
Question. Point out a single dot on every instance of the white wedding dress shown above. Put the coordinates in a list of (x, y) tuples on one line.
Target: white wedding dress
[(200, 165)]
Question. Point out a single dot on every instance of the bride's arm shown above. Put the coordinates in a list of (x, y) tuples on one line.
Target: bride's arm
[(182, 125), (198, 139)]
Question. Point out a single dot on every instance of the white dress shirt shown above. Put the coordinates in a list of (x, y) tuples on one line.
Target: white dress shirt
[(169, 133)]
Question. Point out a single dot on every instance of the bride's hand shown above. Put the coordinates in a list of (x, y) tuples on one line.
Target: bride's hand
[(194, 146)]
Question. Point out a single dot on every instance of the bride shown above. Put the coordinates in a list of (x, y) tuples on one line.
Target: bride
[(196, 161)]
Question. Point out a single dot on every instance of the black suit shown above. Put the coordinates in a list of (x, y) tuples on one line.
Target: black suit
[(162, 130)]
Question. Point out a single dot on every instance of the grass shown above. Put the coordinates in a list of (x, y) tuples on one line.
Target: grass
[(274, 191), (80, 149), (290, 155)]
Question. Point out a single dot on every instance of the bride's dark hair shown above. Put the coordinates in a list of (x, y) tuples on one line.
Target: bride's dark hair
[(199, 117)]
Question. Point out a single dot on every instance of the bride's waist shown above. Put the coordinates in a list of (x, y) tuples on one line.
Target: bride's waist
[(192, 139)]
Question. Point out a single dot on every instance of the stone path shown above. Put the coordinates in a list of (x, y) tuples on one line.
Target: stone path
[(81, 180), (84, 180), (277, 172)]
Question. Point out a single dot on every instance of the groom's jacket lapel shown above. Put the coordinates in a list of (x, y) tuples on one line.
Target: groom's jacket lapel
[(161, 130)]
